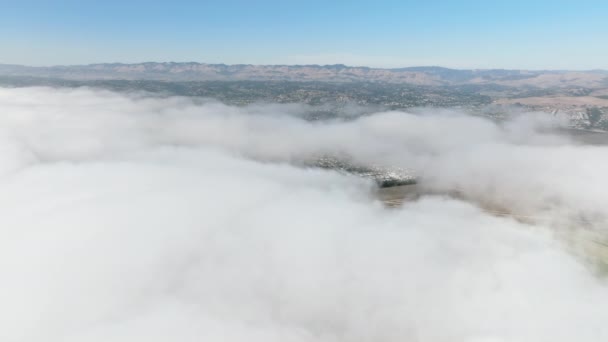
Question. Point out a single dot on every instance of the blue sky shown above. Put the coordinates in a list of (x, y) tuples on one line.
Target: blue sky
[(540, 34)]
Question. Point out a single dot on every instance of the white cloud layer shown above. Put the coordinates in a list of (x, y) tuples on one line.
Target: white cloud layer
[(129, 218)]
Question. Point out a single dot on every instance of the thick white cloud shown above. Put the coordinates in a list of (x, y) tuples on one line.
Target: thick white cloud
[(126, 218)]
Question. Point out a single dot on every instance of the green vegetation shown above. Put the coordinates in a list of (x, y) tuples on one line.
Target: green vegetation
[(391, 96), (594, 115)]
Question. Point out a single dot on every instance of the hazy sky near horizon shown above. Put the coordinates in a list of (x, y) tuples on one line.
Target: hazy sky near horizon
[(534, 34)]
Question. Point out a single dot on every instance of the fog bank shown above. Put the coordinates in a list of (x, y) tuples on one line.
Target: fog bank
[(130, 218)]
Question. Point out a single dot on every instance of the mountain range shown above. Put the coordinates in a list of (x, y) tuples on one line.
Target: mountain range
[(431, 76)]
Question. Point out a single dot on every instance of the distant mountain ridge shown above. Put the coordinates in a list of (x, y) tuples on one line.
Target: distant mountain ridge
[(422, 75)]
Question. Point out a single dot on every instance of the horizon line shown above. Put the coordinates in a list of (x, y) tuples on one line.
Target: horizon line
[(298, 65)]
